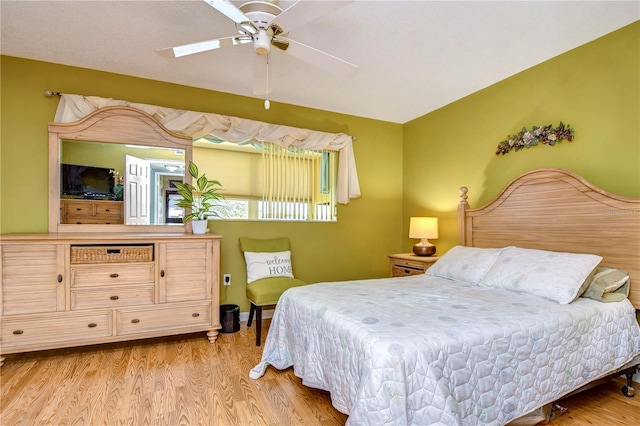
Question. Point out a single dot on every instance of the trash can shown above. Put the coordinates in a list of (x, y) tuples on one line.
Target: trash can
[(230, 318)]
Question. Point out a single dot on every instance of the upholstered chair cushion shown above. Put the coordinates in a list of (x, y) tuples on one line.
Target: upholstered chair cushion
[(267, 291)]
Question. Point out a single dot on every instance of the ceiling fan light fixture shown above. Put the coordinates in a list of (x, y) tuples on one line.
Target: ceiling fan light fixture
[(262, 43)]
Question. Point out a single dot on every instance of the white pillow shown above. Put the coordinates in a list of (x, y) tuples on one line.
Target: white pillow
[(265, 265), (466, 264), (553, 275)]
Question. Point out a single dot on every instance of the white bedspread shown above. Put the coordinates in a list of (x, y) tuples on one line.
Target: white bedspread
[(425, 350)]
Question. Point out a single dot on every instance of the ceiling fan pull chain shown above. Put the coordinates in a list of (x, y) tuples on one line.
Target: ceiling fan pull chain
[(267, 104)]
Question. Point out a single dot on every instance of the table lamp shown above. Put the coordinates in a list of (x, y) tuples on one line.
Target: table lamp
[(423, 228)]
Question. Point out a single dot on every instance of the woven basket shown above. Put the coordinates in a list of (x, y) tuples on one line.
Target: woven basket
[(111, 254)]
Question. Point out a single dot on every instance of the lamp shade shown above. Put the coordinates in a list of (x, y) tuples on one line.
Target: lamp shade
[(423, 227)]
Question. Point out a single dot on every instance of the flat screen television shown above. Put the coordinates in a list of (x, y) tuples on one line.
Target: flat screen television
[(78, 181)]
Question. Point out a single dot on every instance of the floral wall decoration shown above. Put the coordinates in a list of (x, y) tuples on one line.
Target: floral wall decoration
[(543, 134)]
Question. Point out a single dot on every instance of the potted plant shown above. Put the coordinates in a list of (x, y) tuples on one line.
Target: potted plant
[(199, 198)]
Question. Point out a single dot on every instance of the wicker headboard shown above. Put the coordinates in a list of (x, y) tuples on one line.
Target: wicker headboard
[(554, 209)]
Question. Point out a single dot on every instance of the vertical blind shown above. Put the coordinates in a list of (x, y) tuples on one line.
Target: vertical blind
[(297, 183), (287, 183)]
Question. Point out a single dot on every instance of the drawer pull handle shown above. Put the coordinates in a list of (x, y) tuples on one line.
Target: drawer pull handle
[(18, 331), (107, 210), (78, 209), (195, 315), (60, 278), (92, 324), (114, 297), (113, 251), (135, 321), (162, 273), (114, 275)]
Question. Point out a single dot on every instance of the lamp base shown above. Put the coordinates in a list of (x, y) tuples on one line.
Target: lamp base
[(420, 249)]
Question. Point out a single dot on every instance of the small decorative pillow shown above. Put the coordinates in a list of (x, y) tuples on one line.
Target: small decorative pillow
[(608, 285), (266, 265), (466, 264), (553, 275)]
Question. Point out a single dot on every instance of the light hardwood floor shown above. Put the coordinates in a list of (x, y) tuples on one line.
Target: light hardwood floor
[(188, 381)]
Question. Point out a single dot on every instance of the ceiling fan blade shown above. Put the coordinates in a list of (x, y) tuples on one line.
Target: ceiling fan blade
[(280, 44), (203, 46), (261, 79), (302, 12), (228, 9), (318, 58)]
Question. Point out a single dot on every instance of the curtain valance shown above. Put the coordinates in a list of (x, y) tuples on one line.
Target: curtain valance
[(231, 129)]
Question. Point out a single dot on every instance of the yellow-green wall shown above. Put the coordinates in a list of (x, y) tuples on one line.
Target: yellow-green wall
[(356, 246), (406, 170), (595, 88)]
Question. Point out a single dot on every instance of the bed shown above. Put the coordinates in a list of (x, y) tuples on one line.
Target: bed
[(473, 342)]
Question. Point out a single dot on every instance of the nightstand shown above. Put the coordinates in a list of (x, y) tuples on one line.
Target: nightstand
[(404, 264)]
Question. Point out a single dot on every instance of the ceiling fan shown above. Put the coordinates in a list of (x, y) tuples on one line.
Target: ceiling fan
[(265, 24)]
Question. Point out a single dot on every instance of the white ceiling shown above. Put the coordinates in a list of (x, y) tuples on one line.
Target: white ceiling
[(413, 56)]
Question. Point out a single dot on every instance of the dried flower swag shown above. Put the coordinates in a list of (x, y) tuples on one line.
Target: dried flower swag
[(527, 138)]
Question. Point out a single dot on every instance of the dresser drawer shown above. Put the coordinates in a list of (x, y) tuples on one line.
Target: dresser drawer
[(91, 211), (109, 297), (109, 210), (77, 209), (167, 317), (112, 274), (48, 331), (93, 220)]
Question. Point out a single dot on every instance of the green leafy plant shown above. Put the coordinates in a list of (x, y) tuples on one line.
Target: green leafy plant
[(201, 197)]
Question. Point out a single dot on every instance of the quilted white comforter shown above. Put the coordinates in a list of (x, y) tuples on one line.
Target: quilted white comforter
[(425, 350)]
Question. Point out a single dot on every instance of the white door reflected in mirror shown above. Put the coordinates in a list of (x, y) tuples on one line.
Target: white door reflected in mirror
[(136, 191)]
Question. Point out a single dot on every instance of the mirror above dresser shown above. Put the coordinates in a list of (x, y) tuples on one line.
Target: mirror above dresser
[(115, 171)]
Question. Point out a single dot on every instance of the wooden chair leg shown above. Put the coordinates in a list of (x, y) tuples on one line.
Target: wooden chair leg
[(251, 311), (258, 324)]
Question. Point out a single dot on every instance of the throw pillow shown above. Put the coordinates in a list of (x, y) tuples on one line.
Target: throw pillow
[(266, 265)]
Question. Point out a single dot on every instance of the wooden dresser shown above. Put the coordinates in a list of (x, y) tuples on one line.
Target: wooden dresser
[(62, 290), (91, 211)]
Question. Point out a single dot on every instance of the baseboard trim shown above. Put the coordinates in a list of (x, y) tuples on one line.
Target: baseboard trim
[(266, 313)]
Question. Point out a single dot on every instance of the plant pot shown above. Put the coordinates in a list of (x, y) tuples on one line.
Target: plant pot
[(199, 226)]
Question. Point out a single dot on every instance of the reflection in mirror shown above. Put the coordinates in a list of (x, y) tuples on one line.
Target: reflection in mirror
[(164, 175), (105, 183)]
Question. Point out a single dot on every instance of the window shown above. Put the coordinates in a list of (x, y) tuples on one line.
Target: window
[(268, 182)]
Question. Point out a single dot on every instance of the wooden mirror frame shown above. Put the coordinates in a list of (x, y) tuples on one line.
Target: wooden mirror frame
[(117, 125)]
